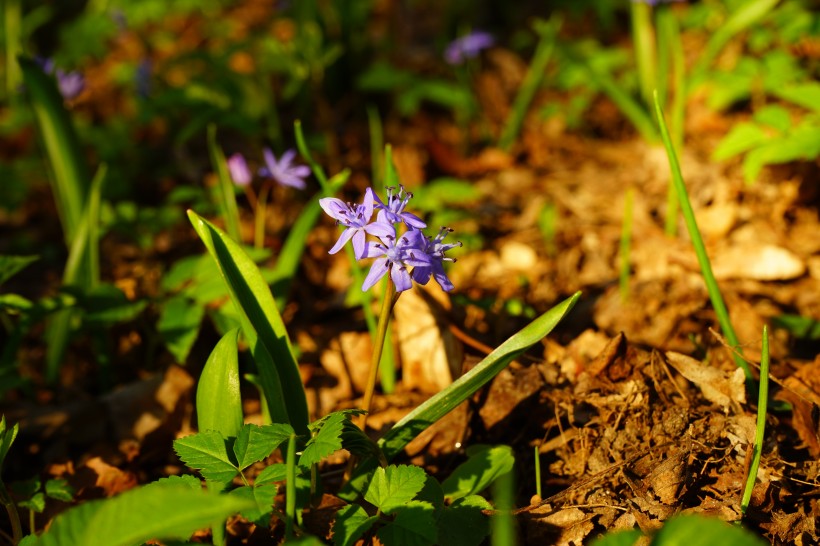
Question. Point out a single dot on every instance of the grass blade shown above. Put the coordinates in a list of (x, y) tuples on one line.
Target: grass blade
[(262, 325), (230, 211), (445, 401), (762, 402), (697, 242)]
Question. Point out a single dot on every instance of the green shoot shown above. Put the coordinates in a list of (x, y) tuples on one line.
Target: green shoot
[(643, 42), (290, 487), (537, 460), (503, 521), (626, 243), (547, 32), (697, 242), (227, 191), (762, 402), (7, 437), (388, 301)]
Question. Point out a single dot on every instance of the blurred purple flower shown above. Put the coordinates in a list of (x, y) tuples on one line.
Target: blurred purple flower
[(70, 84), (467, 47), (282, 171), (435, 249), (142, 78), (396, 255), (356, 218), (393, 212), (238, 167)]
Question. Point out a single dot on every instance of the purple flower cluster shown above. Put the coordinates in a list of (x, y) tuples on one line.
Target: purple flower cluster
[(282, 170), (408, 255), (467, 47), (70, 84)]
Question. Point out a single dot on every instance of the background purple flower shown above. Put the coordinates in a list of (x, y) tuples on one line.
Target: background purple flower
[(467, 47), (238, 167), (70, 84), (282, 171)]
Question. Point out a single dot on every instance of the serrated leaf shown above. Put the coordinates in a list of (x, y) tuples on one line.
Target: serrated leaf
[(357, 442), (262, 498), (60, 489), (319, 423), (262, 325), (276, 472), (351, 523), (326, 441), (414, 526), (133, 517), (218, 400), (432, 493), (462, 523), (254, 443), (483, 466), (394, 486), (806, 94), (207, 453)]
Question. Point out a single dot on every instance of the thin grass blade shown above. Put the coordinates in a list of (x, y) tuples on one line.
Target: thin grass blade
[(760, 430), (230, 211)]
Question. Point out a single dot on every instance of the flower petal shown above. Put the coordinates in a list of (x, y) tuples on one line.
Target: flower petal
[(343, 238), (333, 207), (401, 278), (359, 246), (380, 229), (377, 271)]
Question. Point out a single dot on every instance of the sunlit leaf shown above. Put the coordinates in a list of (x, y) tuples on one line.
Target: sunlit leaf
[(393, 487), (414, 526), (207, 453), (483, 466), (351, 523), (218, 400), (254, 443)]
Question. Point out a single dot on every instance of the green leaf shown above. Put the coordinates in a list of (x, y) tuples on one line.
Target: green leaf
[(463, 524), (218, 400), (742, 138), (230, 212), (261, 497), (254, 443), (7, 437), (207, 453), (393, 487), (11, 265), (619, 538), (262, 325), (414, 526), (483, 466), (803, 143), (305, 540), (327, 440), (351, 523), (178, 324), (60, 489), (692, 530), (439, 193), (186, 479), (801, 327), (357, 442), (139, 515), (106, 305), (275, 472), (35, 503), (774, 116), (445, 401), (806, 94)]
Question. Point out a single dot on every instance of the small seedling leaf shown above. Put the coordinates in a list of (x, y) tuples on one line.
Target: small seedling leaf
[(60, 489), (254, 443), (7, 436), (414, 526), (351, 523), (132, 517), (393, 487), (218, 401), (178, 324), (207, 453), (327, 440), (482, 467)]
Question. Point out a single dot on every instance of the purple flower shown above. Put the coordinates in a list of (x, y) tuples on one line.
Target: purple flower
[(142, 78), (283, 172), (70, 84), (393, 212), (238, 167), (467, 47), (356, 218), (435, 249), (396, 255)]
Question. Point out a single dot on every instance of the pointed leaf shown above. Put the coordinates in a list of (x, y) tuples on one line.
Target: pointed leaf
[(60, 489), (144, 513), (483, 466), (261, 497), (351, 523), (262, 325), (178, 324), (393, 487), (7, 437), (207, 453), (326, 441), (11, 265), (218, 401), (254, 443)]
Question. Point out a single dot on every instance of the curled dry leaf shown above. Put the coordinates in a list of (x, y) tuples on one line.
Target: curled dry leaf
[(716, 385)]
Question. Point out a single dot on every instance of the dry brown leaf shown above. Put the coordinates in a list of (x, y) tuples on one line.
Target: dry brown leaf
[(111, 479), (760, 262), (717, 386)]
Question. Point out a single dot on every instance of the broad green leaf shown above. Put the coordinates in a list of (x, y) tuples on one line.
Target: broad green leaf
[(801, 144), (254, 443), (206, 452), (692, 530), (432, 493), (619, 538), (327, 440), (11, 265), (414, 526), (483, 466), (393, 487), (462, 523), (70, 178), (357, 442), (60, 489), (262, 325), (178, 324), (262, 497), (351, 523), (139, 515), (742, 138), (805, 94), (775, 116), (275, 472), (218, 400), (305, 540), (186, 479), (445, 401)]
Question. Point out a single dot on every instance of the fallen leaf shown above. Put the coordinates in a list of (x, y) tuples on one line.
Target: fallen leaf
[(717, 386)]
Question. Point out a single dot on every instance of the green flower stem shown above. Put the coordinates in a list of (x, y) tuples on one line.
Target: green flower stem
[(389, 300), (697, 242), (290, 487), (644, 44), (762, 401), (14, 516)]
